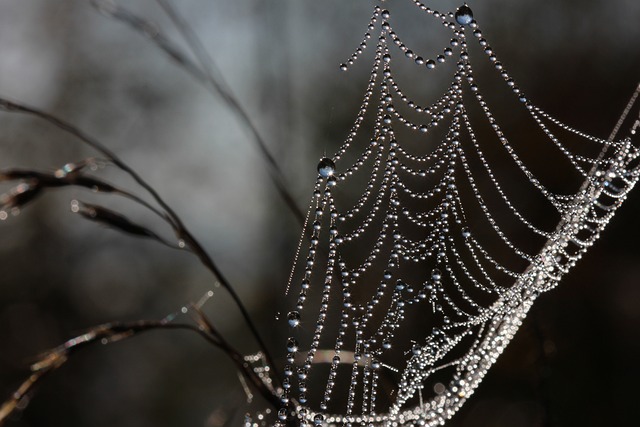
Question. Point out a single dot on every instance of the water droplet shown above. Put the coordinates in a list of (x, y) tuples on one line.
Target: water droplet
[(326, 167), (292, 345), (293, 318), (64, 170), (318, 419), (466, 233), (344, 67), (464, 15), (436, 275), (3, 215), (181, 244), (282, 414), (375, 364)]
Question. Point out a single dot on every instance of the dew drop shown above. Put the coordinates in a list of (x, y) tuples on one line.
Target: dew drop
[(326, 167), (293, 318), (292, 345), (464, 15), (466, 233), (318, 419), (375, 364), (436, 275), (282, 414), (344, 67), (416, 349)]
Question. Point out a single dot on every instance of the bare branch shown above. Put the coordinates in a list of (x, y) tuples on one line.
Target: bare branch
[(118, 331), (183, 233), (207, 74)]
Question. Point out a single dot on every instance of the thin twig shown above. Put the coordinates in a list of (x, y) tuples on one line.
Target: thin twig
[(77, 178), (114, 332), (207, 74), (243, 366), (182, 230)]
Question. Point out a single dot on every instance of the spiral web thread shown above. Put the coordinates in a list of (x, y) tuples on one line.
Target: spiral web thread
[(472, 302)]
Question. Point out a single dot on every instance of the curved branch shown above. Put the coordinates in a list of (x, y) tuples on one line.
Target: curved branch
[(182, 231), (114, 332)]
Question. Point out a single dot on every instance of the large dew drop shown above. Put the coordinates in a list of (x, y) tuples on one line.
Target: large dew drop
[(464, 15), (293, 318), (326, 167)]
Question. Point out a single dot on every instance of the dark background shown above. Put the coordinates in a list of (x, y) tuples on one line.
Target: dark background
[(574, 361)]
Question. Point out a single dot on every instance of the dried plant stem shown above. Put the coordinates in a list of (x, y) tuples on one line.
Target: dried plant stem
[(181, 230), (206, 73), (113, 332)]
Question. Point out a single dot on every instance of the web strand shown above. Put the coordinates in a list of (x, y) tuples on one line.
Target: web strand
[(431, 269)]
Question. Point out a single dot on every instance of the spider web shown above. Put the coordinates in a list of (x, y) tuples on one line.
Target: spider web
[(452, 263)]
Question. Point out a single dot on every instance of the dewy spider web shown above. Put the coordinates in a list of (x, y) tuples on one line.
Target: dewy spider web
[(431, 294)]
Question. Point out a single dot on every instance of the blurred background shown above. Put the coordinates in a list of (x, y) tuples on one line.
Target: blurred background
[(574, 361)]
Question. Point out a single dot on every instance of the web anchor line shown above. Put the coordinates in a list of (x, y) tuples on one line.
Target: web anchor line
[(422, 272)]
